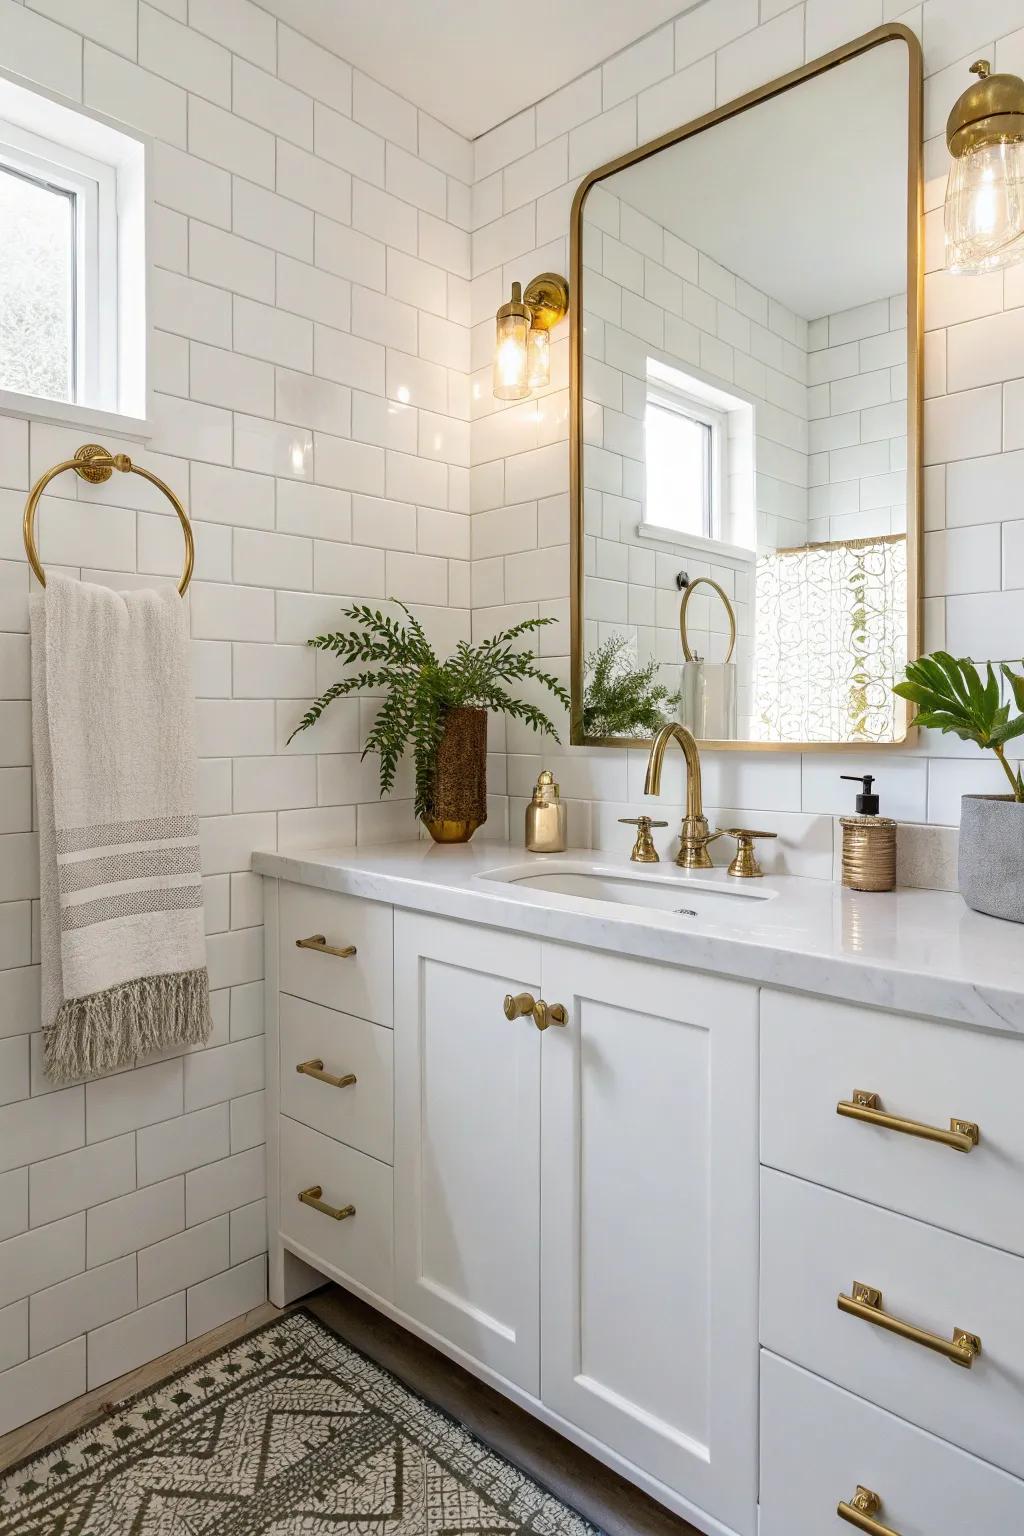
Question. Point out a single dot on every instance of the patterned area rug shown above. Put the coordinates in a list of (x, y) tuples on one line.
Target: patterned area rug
[(290, 1432)]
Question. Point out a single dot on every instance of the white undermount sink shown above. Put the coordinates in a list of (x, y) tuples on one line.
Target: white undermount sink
[(709, 894)]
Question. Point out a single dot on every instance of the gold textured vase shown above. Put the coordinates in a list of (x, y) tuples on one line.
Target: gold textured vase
[(459, 799)]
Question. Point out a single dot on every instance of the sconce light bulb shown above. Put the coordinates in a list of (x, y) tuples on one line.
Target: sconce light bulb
[(512, 328)]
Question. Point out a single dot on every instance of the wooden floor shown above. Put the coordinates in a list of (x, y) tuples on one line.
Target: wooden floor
[(31, 1438), (606, 1499)]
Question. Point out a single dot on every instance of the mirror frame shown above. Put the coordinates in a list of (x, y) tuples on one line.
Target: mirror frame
[(890, 32)]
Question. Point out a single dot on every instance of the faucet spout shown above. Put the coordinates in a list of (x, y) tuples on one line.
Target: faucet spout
[(694, 834)]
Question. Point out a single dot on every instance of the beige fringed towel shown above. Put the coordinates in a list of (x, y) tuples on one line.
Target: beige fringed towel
[(123, 946)]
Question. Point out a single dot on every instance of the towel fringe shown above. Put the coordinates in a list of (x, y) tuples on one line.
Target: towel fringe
[(111, 1029)]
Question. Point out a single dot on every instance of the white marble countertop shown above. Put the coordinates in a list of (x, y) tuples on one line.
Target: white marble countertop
[(913, 951)]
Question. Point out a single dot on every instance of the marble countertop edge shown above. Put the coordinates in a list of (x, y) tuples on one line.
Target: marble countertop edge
[(911, 951)]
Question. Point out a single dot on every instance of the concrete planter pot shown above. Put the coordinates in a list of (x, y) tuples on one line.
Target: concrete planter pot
[(992, 855)]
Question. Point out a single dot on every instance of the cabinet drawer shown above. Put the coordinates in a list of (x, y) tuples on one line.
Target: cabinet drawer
[(927, 1487), (361, 1245), (816, 1244), (361, 983), (361, 1113), (815, 1054)]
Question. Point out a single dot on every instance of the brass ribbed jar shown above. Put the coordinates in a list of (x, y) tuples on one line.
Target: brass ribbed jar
[(869, 853)]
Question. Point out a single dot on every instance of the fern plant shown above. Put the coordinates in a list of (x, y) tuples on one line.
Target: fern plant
[(397, 659), (951, 697), (621, 697)]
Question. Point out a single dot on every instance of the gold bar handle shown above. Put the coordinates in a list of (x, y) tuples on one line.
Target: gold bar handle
[(312, 1197), (315, 1068), (859, 1511), (866, 1303), (962, 1135), (318, 942)]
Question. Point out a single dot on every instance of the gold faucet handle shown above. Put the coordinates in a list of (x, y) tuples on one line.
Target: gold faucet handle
[(745, 864), (644, 851)]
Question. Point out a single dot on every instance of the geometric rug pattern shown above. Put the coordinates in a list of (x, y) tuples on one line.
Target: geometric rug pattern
[(287, 1432)]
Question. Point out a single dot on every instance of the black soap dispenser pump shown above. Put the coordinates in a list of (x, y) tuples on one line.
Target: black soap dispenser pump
[(869, 841), (867, 803)]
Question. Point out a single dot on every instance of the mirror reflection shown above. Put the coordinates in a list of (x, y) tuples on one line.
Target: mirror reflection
[(743, 558)]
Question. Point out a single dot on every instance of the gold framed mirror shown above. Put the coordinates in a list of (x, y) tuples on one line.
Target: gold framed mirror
[(745, 432)]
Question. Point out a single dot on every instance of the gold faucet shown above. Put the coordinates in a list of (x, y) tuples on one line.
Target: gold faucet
[(694, 835)]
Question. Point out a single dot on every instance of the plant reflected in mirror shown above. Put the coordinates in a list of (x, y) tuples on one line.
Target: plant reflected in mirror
[(623, 697)]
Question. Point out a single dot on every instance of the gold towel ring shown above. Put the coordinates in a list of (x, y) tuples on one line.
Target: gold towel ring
[(95, 464), (687, 653)]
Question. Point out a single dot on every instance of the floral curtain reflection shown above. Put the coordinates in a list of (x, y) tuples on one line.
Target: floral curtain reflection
[(831, 640)]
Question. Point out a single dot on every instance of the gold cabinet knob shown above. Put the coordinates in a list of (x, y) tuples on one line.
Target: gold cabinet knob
[(745, 865), (544, 1014), (644, 851), (519, 1005)]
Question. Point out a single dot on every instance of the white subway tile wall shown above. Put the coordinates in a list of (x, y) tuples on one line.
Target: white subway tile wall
[(326, 264), (310, 272)]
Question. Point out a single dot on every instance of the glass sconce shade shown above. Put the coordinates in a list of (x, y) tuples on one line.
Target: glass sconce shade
[(510, 349), (985, 208), (984, 214), (538, 353), (522, 349)]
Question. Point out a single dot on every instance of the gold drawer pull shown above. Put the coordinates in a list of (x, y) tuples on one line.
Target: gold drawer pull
[(318, 942), (315, 1069), (859, 1511), (311, 1196), (866, 1303), (542, 1013), (961, 1136)]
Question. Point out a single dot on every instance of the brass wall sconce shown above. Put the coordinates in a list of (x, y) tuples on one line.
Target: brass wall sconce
[(984, 215), (522, 347)]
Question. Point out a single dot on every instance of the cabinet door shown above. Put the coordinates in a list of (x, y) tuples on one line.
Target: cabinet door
[(467, 1140), (649, 1221)]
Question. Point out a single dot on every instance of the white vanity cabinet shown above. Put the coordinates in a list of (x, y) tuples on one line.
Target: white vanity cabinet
[(574, 1208), (639, 1222)]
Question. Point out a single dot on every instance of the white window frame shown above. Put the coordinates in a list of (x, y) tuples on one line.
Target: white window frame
[(667, 397), (93, 186), (716, 490), (734, 413), (105, 166)]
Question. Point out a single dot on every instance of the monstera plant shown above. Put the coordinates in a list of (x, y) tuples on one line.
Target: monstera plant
[(952, 696), (955, 697)]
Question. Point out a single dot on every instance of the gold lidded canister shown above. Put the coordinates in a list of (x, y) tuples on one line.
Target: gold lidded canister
[(546, 817), (869, 843)]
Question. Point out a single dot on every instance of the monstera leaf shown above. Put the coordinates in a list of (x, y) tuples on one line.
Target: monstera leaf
[(952, 697)]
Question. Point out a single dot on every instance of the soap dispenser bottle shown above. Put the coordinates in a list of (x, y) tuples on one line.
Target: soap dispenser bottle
[(545, 817), (869, 842)]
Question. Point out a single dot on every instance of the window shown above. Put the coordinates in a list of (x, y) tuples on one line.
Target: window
[(683, 448), (37, 286), (72, 262), (678, 448)]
